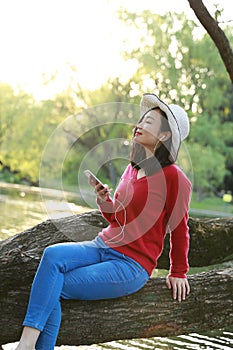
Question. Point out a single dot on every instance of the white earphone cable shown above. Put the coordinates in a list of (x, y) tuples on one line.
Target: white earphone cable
[(122, 227)]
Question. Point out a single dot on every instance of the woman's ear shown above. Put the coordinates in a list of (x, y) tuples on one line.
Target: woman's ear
[(165, 136)]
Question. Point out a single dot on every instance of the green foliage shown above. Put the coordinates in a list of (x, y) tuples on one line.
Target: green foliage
[(187, 69), (209, 168), (25, 129), (100, 140), (174, 62)]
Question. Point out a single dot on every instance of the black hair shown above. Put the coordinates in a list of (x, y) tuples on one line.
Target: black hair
[(160, 158)]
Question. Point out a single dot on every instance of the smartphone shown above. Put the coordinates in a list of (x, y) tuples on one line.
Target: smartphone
[(93, 180)]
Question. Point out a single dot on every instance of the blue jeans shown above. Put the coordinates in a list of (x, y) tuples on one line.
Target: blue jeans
[(82, 271)]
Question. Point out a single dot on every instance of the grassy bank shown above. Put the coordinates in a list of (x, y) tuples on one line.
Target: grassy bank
[(211, 203)]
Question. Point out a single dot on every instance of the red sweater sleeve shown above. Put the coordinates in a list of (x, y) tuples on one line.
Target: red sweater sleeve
[(178, 198)]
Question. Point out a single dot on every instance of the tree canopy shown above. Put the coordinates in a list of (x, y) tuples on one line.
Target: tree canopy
[(175, 62)]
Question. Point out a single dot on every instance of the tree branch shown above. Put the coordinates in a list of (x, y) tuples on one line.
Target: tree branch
[(216, 33), (150, 312)]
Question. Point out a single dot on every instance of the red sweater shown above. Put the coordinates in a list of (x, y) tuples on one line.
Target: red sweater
[(143, 210)]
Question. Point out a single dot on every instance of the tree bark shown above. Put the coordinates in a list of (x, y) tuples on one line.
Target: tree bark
[(206, 238), (150, 312), (216, 34)]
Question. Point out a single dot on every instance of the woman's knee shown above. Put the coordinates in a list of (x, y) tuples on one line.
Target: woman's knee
[(51, 253)]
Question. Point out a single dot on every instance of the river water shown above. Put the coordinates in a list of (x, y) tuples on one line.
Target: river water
[(22, 207)]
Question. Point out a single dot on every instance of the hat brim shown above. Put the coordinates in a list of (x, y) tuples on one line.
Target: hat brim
[(150, 101)]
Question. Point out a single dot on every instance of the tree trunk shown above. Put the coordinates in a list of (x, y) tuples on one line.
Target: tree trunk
[(150, 312), (206, 238), (216, 34)]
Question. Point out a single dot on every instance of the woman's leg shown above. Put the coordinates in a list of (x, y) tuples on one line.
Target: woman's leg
[(47, 285), (47, 338), (28, 339), (115, 276), (76, 271)]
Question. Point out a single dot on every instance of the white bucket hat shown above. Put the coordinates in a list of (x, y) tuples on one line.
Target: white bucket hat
[(177, 119)]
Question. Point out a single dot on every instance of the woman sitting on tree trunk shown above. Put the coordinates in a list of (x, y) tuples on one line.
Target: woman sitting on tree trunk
[(152, 196)]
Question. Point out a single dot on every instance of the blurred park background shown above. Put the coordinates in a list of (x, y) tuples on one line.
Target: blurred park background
[(117, 52)]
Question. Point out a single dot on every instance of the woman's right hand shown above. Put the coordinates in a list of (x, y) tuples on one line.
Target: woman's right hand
[(102, 192)]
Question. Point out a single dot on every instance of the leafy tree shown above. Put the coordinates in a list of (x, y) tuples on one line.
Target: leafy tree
[(209, 169), (93, 127), (173, 63), (15, 110), (186, 69), (216, 33), (25, 128)]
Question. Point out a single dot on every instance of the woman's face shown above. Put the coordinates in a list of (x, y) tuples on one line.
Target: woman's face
[(148, 131)]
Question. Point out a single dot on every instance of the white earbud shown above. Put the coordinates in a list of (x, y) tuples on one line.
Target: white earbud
[(162, 138)]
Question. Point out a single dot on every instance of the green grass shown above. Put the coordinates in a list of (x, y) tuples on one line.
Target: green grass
[(194, 270), (212, 203)]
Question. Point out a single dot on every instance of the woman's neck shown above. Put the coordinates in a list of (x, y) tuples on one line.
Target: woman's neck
[(149, 153)]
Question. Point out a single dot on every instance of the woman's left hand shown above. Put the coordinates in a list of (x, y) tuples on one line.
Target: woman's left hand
[(180, 287)]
